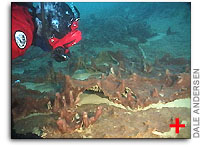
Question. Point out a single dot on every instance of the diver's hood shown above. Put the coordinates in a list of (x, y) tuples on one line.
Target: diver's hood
[(58, 17)]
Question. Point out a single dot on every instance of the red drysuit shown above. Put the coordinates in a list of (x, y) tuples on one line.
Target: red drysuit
[(22, 30)]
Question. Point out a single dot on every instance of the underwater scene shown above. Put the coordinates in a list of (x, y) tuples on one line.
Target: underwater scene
[(101, 70)]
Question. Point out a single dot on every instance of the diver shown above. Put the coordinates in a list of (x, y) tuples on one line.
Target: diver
[(52, 26)]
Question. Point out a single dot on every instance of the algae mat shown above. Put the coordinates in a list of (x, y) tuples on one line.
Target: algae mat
[(95, 99)]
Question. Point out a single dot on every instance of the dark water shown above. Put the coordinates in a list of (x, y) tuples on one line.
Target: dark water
[(114, 22)]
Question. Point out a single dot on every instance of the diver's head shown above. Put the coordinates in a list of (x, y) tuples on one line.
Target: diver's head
[(57, 19)]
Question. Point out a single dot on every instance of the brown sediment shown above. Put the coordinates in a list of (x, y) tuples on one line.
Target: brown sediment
[(121, 123)]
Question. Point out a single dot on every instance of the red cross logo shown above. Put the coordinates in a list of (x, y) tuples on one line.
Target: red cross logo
[(177, 125)]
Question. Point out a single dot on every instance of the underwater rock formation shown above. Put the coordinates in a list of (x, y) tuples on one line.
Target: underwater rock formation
[(89, 121), (22, 107), (167, 59), (169, 32), (27, 101), (65, 106), (177, 80), (147, 67), (105, 57), (69, 97), (69, 120), (169, 78), (110, 85), (110, 62), (133, 92), (141, 30), (75, 64)]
